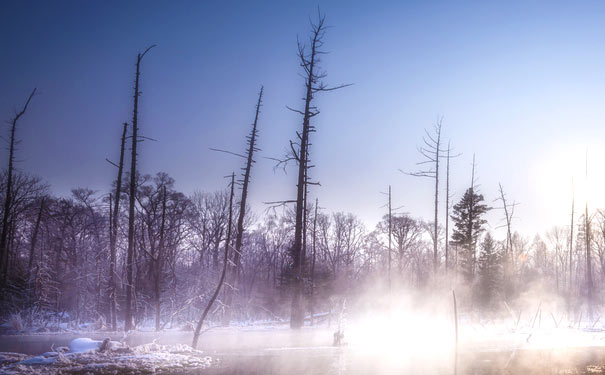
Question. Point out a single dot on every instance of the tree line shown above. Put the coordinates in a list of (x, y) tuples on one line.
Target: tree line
[(145, 253)]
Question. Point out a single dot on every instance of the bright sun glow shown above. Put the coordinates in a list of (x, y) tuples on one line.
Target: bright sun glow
[(561, 173)]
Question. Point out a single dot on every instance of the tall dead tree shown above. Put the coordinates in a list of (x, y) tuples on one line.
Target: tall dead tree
[(431, 152), (198, 327), (448, 157), (113, 232), (34, 238), (309, 61), (159, 264), (132, 199), (447, 207), (509, 210), (9, 191), (390, 241), (313, 259), (573, 200), (587, 235), (235, 271)]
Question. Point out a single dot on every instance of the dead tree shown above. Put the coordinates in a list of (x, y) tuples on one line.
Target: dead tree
[(113, 232), (309, 61), (390, 241), (235, 272), (131, 199), (431, 152), (587, 235), (573, 200), (198, 327), (34, 238), (313, 259), (448, 157), (509, 210), (9, 186), (159, 263)]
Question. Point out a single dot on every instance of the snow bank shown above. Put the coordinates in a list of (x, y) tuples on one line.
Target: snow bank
[(87, 356)]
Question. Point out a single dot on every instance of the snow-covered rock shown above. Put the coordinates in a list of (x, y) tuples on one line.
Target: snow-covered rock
[(83, 345)]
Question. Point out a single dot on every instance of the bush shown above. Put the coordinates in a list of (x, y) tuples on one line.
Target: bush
[(16, 322)]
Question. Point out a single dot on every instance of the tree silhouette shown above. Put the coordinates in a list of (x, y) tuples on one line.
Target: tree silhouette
[(131, 198), (235, 271), (468, 225), (9, 191)]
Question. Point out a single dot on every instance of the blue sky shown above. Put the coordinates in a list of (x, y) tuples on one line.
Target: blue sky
[(520, 84)]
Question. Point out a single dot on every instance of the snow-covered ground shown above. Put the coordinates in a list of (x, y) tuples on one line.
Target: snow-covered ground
[(87, 356)]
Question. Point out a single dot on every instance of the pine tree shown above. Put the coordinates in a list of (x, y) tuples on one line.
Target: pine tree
[(490, 272), (468, 225)]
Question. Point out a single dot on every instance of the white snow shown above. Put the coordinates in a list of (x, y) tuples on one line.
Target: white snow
[(84, 357), (83, 345), (39, 360)]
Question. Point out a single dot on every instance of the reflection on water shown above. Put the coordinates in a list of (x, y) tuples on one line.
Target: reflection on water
[(282, 351)]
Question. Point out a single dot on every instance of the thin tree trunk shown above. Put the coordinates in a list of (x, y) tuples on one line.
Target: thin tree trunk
[(113, 238), (234, 279), (131, 202), (390, 242), (34, 240), (198, 328), (587, 234), (313, 244), (8, 196), (471, 218), (159, 264), (447, 208), (573, 199), (436, 224), (297, 309)]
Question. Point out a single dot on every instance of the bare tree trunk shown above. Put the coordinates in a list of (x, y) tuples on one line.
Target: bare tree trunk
[(131, 202), (573, 199), (436, 223), (297, 309), (314, 243), (115, 220), (447, 207), (34, 240), (198, 328), (8, 197), (390, 241), (234, 279), (470, 231), (313, 85), (508, 215), (587, 235), (159, 266), (431, 152)]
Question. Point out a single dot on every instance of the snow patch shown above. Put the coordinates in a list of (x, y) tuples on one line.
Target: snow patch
[(83, 345)]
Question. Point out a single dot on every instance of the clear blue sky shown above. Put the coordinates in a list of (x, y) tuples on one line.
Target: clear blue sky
[(520, 84)]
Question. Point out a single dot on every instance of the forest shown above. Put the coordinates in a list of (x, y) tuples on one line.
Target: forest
[(143, 256), (143, 253)]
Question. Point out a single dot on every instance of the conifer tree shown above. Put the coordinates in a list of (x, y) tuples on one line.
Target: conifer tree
[(490, 272), (468, 225)]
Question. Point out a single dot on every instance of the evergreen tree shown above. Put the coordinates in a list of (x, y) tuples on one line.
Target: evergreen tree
[(490, 272), (468, 225)]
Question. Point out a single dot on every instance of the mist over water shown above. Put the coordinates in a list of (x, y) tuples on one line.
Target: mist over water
[(247, 146)]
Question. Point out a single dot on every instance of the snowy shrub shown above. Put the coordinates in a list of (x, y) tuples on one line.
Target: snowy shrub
[(16, 322)]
